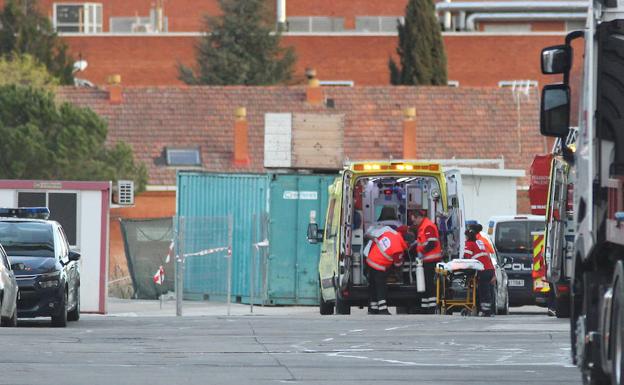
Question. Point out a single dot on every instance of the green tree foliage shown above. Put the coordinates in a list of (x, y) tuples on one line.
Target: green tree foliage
[(25, 31), (24, 70), (44, 140), (421, 49), (240, 48)]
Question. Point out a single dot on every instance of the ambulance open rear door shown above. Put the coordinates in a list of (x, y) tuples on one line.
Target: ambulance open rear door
[(454, 226)]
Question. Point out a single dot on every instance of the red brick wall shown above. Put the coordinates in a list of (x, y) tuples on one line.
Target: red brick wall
[(347, 9), (473, 60)]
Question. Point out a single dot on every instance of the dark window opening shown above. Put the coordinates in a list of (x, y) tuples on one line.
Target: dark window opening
[(63, 209)]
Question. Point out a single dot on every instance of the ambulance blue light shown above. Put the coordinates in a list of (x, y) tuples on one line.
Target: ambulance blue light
[(25, 212)]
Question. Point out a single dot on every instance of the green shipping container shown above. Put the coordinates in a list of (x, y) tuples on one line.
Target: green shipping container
[(275, 207)]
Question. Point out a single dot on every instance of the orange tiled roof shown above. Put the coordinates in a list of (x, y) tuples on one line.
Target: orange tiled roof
[(481, 123)]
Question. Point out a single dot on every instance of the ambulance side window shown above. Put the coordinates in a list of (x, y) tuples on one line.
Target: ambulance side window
[(330, 231)]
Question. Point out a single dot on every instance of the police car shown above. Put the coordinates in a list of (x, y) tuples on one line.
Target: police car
[(513, 241), (45, 268)]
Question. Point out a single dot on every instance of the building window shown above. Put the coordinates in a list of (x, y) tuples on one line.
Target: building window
[(63, 209), (518, 84), (506, 27), (136, 25), (315, 24), (574, 25), (182, 156), (377, 23), (78, 18)]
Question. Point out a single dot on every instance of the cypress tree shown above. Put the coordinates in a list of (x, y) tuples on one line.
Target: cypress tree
[(420, 49), (241, 47)]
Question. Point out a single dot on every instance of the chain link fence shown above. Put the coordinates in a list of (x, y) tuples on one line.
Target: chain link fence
[(203, 259)]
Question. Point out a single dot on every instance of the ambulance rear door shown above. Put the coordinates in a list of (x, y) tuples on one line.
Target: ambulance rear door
[(455, 222), (345, 262)]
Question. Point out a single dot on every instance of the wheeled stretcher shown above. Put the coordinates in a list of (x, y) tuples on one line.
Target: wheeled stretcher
[(456, 286)]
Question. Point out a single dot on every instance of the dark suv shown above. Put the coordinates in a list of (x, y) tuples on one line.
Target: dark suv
[(46, 269)]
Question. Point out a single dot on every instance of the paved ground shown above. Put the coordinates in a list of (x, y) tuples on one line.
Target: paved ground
[(141, 344)]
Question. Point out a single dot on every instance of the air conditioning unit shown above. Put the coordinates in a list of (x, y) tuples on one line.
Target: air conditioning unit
[(125, 193)]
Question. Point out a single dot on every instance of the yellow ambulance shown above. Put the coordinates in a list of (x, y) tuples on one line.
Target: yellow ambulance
[(375, 193)]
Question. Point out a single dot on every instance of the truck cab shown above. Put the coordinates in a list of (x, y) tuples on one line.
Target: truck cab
[(376, 193), (597, 269)]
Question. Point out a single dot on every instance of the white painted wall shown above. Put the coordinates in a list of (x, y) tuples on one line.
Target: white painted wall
[(90, 225), (486, 196), (89, 240)]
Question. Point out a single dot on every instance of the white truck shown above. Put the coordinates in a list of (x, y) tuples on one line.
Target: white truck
[(597, 287)]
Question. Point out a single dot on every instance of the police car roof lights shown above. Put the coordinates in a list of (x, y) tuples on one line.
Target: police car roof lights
[(25, 212)]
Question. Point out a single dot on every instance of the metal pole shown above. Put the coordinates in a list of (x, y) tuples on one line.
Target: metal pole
[(253, 261), (229, 268), (264, 223), (179, 267)]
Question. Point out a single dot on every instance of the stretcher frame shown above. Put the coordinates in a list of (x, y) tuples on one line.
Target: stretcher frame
[(445, 305)]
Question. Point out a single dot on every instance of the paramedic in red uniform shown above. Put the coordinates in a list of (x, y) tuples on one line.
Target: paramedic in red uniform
[(430, 251), (476, 250), (385, 249)]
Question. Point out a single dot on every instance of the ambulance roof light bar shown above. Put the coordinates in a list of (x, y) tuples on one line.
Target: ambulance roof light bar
[(394, 166), (25, 212)]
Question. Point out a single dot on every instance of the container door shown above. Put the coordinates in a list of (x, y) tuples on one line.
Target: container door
[(455, 226), (293, 269)]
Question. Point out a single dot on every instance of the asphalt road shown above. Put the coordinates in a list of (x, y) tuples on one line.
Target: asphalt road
[(291, 347)]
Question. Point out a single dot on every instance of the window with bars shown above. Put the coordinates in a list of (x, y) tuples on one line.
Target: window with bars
[(315, 24), (377, 23), (77, 18)]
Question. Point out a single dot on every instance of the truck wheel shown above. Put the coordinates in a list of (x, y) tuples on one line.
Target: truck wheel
[(617, 323), (342, 306)]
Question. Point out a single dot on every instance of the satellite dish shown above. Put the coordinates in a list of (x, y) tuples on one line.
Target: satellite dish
[(80, 65)]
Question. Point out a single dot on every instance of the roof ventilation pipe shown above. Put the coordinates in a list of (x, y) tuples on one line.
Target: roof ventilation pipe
[(513, 6), (476, 17), (525, 7)]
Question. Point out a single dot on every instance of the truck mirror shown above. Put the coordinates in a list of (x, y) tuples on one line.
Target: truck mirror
[(555, 110), (556, 59), (315, 235)]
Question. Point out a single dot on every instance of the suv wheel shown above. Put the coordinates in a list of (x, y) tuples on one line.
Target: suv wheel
[(11, 321), (60, 320), (74, 315)]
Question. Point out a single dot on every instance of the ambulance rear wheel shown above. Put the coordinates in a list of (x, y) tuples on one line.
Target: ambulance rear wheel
[(326, 308), (342, 306)]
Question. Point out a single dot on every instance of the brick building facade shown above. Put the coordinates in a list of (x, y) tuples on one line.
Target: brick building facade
[(145, 40)]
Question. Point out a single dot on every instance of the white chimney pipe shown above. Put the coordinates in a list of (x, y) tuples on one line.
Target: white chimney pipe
[(281, 12)]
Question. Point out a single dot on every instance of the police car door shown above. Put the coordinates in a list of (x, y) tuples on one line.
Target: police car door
[(455, 223)]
